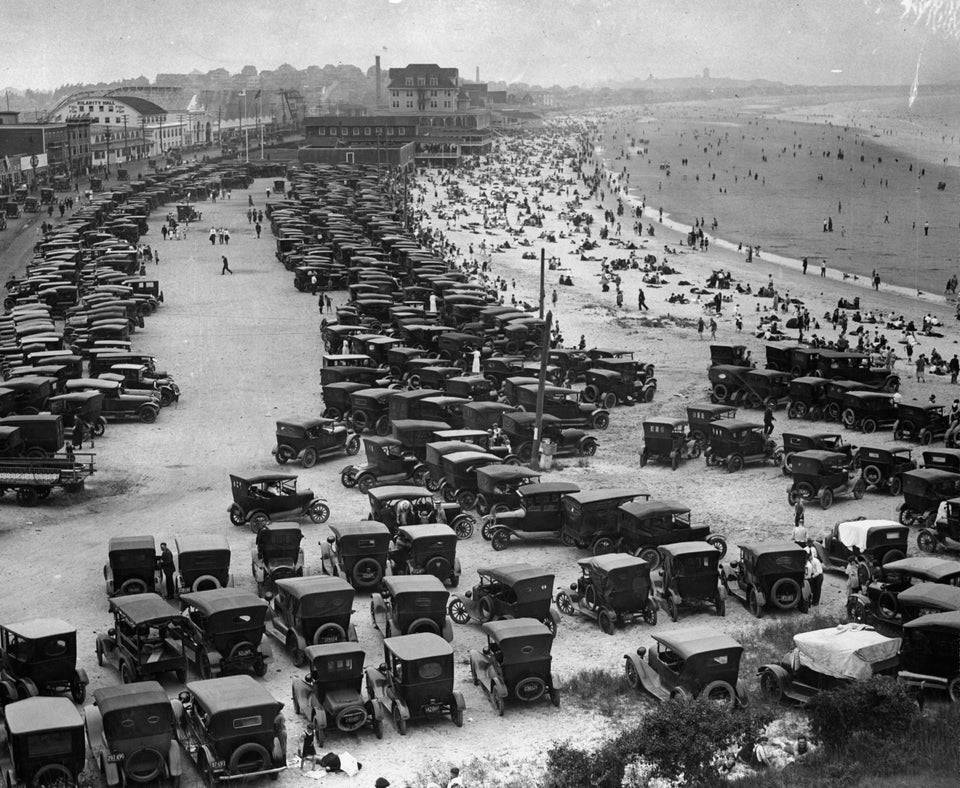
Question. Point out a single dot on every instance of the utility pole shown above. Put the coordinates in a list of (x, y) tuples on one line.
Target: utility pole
[(126, 142), (108, 153), (541, 383), (243, 111), (219, 137), (543, 290), (260, 120)]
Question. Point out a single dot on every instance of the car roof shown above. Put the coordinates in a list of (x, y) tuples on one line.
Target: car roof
[(641, 509), (227, 693), (427, 529), (665, 420), (515, 628), (513, 573), (929, 566), (131, 543), (869, 395), (820, 455), (941, 594), (871, 525), (36, 628), (696, 640), (305, 424), (345, 648), (507, 472), (932, 474), (592, 496), (280, 527), (470, 456), (811, 379), (421, 645), (712, 407), (736, 424), (144, 608), (299, 587), (399, 491), (765, 548), (611, 561), (41, 714), (536, 488), (267, 477), (687, 548), (119, 697), (950, 620), (193, 543), (413, 584), (363, 528), (418, 424), (219, 600)]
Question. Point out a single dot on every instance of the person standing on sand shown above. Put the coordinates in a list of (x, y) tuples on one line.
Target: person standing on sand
[(226, 266), (823, 270), (713, 328), (921, 368), (700, 326), (813, 571), (876, 281), (804, 266), (954, 366), (768, 421)]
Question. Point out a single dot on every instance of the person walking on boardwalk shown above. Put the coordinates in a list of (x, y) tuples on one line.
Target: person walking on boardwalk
[(226, 266)]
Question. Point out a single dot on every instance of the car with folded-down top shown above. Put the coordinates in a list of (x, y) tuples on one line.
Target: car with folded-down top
[(415, 680), (224, 632), (768, 574), (331, 696), (878, 600), (411, 604), (515, 663), (131, 566), (145, 639), (395, 505), (39, 657), (358, 552), (312, 610), (308, 440), (426, 549), (44, 743), (923, 491), (131, 730), (883, 469), (233, 729), (930, 654), (508, 591), (695, 662), (644, 527), (828, 659)]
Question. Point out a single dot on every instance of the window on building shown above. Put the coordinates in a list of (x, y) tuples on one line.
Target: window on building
[(401, 131), (379, 132), (389, 131), (101, 108), (433, 103), (349, 157), (356, 131), (409, 103), (367, 131), (446, 104), (106, 119), (421, 81), (322, 131), (408, 82), (433, 82)]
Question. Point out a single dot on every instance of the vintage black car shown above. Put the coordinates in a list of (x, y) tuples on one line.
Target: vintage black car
[(614, 589), (410, 604), (925, 598), (484, 415), (923, 492), (644, 527), (930, 654), (690, 577), (460, 475), (794, 442), (868, 410), (923, 423), (336, 397), (131, 566), (942, 459), (667, 440), (823, 475), (563, 404), (388, 462), (312, 610), (695, 662), (308, 440), (827, 659), (515, 663), (726, 384), (735, 443), (80, 408), (331, 695), (39, 657), (567, 441), (471, 387), (883, 469), (590, 518), (572, 362), (132, 734), (769, 574), (808, 398), (396, 505), (735, 355), (612, 387), (877, 542), (44, 743), (429, 549), (224, 632), (232, 729), (359, 552), (879, 599), (276, 555), (203, 563), (539, 515), (273, 496), (766, 388), (498, 486), (943, 533), (415, 680), (145, 639), (701, 416), (507, 592)]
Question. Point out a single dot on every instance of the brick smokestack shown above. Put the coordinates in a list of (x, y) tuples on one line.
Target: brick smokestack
[(377, 68)]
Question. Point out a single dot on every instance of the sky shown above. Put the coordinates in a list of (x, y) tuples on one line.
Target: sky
[(46, 43)]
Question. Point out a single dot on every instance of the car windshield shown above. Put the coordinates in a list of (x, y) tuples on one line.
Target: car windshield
[(138, 721)]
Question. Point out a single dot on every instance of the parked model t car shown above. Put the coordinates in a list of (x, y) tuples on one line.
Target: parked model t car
[(273, 496), (308, 440), (145, 640), (44, 743), (224, 632), (131, 566), (308, 611), (769, 574), (39, 657), (359, 552)]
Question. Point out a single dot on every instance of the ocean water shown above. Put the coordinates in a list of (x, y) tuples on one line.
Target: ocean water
[(774, 183)]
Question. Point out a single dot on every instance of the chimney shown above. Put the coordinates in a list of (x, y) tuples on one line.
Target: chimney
[(478, 74), (377, 69)]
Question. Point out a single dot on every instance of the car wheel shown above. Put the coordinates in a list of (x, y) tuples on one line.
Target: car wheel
[(825, 497), (720, 692), (499, 539), (672, 609), (734, 463), (927, 541), (348, 477), (458, 611), (309, 457), (786, 593), (352, 446), (319, 511), (565, 603), (530, 689), (771, 686), (482, 506), (147, 415), (651, 555), (366, 573), (859, 488), (872, 475), (896, 486), (259, 521), (466, 499), (643, 458), (590, 394), (99, 427), (601, 420), (720, 605), (753, 602), (602, 546), (463, 526), (609, 400), (718, 542), (887, 605), (365, 481), (236, 515), (633, 675), (399, 722), (849, 418), (869, 426)]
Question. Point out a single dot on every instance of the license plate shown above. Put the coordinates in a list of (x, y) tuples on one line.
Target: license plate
[(218, 764), (115, 757)]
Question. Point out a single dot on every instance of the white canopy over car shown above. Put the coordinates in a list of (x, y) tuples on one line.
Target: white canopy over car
[(848, 651)]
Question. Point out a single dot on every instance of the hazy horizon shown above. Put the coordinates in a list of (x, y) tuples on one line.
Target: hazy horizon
[(547, 42)]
